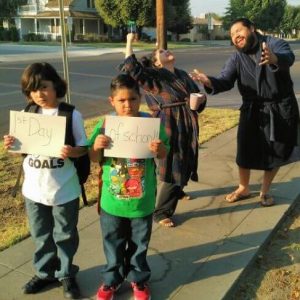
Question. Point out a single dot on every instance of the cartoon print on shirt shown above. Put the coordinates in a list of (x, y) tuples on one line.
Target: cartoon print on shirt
[(127, 177)]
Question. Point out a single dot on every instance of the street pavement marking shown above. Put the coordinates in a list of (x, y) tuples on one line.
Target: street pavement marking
[(10, 93), (11, 105), (93, 96), (10, 84), (91, 75)]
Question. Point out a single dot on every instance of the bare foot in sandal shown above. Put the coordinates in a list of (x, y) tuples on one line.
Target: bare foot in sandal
[(266, 200), (166, 223), (237, 195), (185, 197)]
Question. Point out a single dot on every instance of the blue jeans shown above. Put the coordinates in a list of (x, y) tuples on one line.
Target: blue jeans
[(54, 232), (125, 243)]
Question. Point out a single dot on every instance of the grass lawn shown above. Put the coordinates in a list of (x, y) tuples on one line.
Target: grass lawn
[(13, 221)]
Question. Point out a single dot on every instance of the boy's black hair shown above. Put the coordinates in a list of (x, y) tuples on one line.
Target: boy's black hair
[(246, 22), (35, 73), (124, 81)]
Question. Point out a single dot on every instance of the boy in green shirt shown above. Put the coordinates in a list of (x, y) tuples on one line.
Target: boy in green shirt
[(127, 198)]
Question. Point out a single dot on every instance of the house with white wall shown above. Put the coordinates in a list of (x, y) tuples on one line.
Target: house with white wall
[(205, 27), (42, 17)]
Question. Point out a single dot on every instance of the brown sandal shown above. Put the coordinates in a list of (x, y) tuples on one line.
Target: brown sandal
[(235, 196), (166, 223), (266, 200)]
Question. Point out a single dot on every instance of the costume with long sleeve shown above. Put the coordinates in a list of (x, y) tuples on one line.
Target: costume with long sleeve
[(267, 132), (170, 104)]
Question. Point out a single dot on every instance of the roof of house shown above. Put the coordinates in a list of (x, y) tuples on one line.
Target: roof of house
[(204, 21), (54, 3), (74, 14)]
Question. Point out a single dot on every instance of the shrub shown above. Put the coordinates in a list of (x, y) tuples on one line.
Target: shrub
[(4, 34), (14, 34), (186, 40), (32, 37), (145, 37)]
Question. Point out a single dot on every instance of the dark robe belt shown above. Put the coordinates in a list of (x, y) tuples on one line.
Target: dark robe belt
[(174, 104)]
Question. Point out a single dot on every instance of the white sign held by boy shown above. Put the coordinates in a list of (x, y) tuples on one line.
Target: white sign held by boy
[(37, 134), (131, 136)]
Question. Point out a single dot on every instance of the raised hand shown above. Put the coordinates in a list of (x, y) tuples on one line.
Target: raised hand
[(130, 37), (267, 56), (201, 77)]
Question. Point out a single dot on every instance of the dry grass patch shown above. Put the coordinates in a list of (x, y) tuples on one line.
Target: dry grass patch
[(13, 221)]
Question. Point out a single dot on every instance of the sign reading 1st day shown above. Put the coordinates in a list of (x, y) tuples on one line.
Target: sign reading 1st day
[(36, 133), (131, 136)]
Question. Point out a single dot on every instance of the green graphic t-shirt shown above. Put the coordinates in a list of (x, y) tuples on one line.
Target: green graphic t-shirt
[(129, 185)]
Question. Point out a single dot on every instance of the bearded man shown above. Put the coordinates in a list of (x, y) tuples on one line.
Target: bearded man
[(267, 131)]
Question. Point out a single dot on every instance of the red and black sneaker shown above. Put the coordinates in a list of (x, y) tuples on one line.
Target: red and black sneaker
[(106, 292), (140, 291)]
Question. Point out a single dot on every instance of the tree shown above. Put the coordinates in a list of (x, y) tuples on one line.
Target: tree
[(235, 10), (8, 9), (118, 13), (266, 14), (179, 19), (290, 20)]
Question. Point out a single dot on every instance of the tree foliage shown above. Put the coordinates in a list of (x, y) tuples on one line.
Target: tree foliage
[(290, 20), (117, 13), (235, 10), (266, 14), (8, 9), (179, 19)]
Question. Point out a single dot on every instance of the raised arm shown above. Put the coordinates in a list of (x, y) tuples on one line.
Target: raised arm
[(129, 50), (277, 54)]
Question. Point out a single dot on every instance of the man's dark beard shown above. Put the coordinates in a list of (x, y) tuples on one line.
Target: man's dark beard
[(250, 45)]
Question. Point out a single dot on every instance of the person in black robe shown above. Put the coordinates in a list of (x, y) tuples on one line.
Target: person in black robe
[(269, 115)]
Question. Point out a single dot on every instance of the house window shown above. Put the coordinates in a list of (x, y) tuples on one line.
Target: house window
[(91, 3), (55, 29), (81, 26)]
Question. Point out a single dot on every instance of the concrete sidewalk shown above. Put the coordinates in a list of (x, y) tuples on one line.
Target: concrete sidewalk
[(14, 52), (201, 258)]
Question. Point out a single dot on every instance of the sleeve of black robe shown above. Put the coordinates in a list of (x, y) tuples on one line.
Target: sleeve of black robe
[(225, 81)]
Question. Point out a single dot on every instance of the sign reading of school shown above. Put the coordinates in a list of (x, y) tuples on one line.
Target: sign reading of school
[(36, 133), (131, 136)]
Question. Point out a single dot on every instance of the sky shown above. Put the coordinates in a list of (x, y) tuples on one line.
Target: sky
[(218, 6)]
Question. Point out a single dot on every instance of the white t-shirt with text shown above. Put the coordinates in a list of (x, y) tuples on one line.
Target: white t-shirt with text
[(51, 180)]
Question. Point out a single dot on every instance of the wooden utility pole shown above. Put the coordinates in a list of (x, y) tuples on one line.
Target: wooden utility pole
[(161, 32), (64, 49)]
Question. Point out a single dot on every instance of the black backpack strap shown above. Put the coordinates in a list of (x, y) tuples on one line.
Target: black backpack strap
[(65, 109), (32, 107)]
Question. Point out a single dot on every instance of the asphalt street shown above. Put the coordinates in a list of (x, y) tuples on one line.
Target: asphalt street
[(91, 70)]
